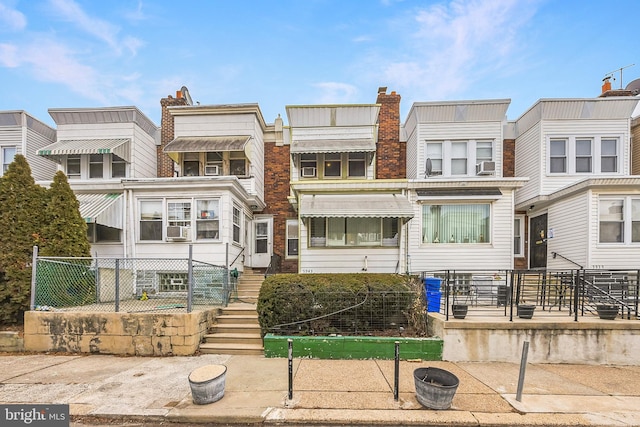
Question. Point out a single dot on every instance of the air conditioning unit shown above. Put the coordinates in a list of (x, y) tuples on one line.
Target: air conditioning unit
[(486, 168), (308, 172), (177, 282), (177, 232), (212, 170)]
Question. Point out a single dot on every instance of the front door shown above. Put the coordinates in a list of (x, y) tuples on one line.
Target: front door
[(538, 242), (262, 245)]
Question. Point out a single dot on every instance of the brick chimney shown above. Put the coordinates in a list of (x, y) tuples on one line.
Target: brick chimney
[(607, 91), (390, 152), (165, 164)]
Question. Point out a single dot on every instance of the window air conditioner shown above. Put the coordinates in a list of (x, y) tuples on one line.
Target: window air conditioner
[(212, 170), (486, 168), (177, 232), (177, 282), (308, 172)]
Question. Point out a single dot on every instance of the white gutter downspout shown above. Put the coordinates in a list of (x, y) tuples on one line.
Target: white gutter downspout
[(132, 224)]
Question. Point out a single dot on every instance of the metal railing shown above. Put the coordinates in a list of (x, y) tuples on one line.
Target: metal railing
[(128, 284)]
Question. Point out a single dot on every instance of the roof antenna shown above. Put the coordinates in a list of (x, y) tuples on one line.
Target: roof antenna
[(610, 74)]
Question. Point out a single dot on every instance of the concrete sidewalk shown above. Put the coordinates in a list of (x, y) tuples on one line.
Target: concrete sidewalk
[(326, 392)]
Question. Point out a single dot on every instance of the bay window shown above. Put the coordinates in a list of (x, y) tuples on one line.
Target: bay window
[(456, 223), (207, 219), (236, 224)]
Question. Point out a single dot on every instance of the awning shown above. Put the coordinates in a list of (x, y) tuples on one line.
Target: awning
[(458, 192), (121, 147), (103, 209), (198, 144), (355, 205), (332, 146)]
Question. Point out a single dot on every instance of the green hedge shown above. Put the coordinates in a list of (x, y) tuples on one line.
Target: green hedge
[(287, 298)]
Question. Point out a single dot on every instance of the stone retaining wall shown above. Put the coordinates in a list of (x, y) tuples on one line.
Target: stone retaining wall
[(10, 341), (139, 334)]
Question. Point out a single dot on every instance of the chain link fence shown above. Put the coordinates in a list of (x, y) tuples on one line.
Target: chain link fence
[(129, 284)]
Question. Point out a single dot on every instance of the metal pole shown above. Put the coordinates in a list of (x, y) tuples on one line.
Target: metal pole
[(396, 376), (190, 279), (34, 269), (117, 285), (290, 343), (523, 364)]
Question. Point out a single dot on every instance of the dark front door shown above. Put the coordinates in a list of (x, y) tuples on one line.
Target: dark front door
[(538, 242)]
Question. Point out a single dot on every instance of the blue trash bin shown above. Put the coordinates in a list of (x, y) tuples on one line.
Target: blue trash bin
[(432, 284), (433, 301)]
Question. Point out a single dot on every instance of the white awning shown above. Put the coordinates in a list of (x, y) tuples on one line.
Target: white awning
[(198, 144), (332, 146), (121, 147), (103, 209), (355, 205)]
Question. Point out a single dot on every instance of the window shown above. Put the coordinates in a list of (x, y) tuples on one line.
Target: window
[(292, 238), (73, 167), (484, 151), (353, 232), (191, 164), (357, 164), (151, 220), (118, 167), (207, 219), (96, 166), (558, 156), (236, 224), (434, 154), (619, 220), (456, 223), (583, 155), (237, 164), (8, 155), (174, 282), (98, 233), (308, 165), (332, 165), (179, 214), (214, 163), (518, 236), (608, 155), (459, 158)]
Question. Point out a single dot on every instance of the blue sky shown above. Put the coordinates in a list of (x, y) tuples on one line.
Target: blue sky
[(86, 53)]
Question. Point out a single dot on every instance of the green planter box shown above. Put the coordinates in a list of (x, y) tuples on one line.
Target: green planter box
[(353, 347)]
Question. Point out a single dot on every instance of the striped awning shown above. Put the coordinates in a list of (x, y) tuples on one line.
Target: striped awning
[(355, 205), (103, 209), (198, 144), (332, 146), (121, 147)]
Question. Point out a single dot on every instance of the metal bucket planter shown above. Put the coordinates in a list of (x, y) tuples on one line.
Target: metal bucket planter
[(607, 311), (435, 387), (207, 384), (525, 311), (459, 310)]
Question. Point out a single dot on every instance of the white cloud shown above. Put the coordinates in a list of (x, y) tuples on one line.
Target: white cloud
[(336, 93), (12, 19), (9, 56), (457, 43), (99, 28)]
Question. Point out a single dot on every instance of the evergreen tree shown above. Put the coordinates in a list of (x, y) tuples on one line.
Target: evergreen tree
[(65, 231), (22, 210)]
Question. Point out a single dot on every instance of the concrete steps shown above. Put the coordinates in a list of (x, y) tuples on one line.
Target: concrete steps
[(237, 330)]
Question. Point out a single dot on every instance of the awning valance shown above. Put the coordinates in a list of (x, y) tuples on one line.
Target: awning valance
[(355, 205), (458, 192), (121, 147), (332, 146), (198, 144), (103, 209)]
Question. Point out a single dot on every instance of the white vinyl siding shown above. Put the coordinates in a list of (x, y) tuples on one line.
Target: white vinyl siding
[(529, 163), (570, 232)]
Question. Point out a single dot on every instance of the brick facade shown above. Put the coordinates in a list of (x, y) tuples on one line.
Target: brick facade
[(276, 191), (509, 158), (390, 152), (165, 164)]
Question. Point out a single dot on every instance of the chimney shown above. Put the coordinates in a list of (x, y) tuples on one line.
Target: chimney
[(164, 163), (390, 152), (606, 84)]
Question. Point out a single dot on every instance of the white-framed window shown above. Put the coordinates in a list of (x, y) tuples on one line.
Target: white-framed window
[(308, 165), (357, 165), (237, 220), (583, 155), (518, 236), (619, 220), (151, 220), (292, 238), (94, 166), (118, 167), (457, 158), (456, 223), (207, 219), (74, 167), (353, 232), (8, 155)]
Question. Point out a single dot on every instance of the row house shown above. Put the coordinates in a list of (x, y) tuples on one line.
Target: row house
[(351, 188)]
